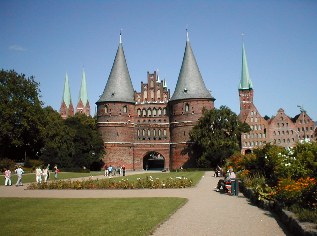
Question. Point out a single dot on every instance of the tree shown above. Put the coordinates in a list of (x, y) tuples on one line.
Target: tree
[(58, 142), (20, 116), (216, 136), (74, 142), (87, 140)]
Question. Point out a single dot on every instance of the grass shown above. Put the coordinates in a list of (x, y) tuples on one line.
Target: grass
[(29, 178), (304, 215), (114, 216)]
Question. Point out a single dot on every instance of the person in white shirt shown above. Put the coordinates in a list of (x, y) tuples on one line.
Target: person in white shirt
[(45, 174), (19, 171), (38, 175)]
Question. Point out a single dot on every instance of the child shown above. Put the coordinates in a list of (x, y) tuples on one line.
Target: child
[(38, 175), (7, 176)]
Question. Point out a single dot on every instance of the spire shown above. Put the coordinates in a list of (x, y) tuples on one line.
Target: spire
[(190, 83), (83, 96), (158, 76), (66, 94), (245, 82), (119, 86), (120, 40)]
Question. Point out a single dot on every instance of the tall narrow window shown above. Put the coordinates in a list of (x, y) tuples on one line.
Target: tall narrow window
[(125, 109), (186, 107), (106, 109)]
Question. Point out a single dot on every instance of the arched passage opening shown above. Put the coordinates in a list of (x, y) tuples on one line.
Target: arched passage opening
[(248, 151), (153, 161)]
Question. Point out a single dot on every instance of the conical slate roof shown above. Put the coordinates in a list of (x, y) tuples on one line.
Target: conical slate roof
[(66, 93), (190, 83), (83, 96), (119, 86), (245, 82)]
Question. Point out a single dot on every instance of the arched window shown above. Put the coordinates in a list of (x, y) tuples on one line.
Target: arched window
[(159, 112), (154, 132), (158, 94), (154, 111), (164, 132), (148, 132), (164, 111), (106, 109), (143, 132), (125, 109), (144, 112), (149, 112), (139, 112), (186, 107), (159, 133), (138, 133)]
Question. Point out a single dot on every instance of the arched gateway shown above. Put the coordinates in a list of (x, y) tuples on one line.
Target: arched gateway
[(153, 161)]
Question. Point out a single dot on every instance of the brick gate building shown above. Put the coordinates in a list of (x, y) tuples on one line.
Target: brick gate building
[(148, 129)]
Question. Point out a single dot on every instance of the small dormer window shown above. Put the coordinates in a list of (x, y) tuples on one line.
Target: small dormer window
[(185, 90), (112, 94)]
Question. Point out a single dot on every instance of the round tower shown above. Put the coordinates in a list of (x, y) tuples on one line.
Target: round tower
[(115, 109), (185, 108)]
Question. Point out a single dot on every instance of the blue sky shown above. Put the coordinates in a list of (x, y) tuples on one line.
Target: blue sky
[(49, 38)]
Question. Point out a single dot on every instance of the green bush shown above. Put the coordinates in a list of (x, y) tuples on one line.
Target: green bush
[(115, 183), (6, 164), (33, 163)]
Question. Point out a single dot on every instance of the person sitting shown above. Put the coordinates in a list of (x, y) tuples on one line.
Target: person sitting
[(223, 183)]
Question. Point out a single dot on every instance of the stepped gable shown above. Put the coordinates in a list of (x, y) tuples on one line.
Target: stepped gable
[(190, 83), (119, 86)]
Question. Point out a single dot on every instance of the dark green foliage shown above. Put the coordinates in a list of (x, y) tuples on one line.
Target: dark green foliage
[(20, 116), (74, 142), (6, 164), (216, 136)]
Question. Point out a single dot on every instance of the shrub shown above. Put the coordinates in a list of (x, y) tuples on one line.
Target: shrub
[(6, 163), (147, 182), (290, 192)]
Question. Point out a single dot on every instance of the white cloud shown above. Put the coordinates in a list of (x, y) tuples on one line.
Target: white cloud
[(17, 48)]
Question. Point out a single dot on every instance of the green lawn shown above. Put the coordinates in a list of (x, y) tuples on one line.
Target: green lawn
[(28, 178), (113, 216)]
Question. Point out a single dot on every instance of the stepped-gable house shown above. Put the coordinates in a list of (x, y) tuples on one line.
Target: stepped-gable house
[(148, 129), (280, 130)]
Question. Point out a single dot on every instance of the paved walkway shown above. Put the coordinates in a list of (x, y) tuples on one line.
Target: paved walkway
[(206, 213)]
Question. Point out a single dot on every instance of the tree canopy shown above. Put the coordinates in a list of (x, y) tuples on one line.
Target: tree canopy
[(29, 131), (216, 136), (20, 115)]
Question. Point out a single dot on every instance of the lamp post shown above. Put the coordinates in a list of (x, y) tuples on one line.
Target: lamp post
[(301, 108)]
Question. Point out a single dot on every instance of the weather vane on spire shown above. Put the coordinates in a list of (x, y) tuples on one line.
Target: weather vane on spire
[(120, 36), (187, 34), (242, 36)]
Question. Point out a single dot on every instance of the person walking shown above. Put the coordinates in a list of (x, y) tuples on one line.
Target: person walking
[(19, 171), (45, 174), (38, 175), (123, 170), (56, 171), (7, 176)]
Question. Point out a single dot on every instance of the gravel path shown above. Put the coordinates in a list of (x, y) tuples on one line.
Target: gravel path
[(207, 212)]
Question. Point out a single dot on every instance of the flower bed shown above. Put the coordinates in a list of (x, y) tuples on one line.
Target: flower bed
[(115, 183)]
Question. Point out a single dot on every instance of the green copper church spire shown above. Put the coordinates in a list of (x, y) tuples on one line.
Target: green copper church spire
[(245, 82), (66, 94), (83, 96)]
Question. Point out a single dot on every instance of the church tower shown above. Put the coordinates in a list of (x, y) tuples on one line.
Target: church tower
[(245, 88), (66, 108), (83, 102), (185, 107), (115, 110)]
